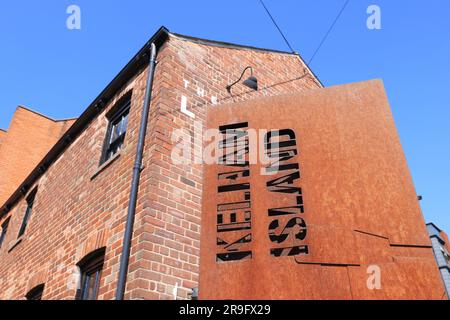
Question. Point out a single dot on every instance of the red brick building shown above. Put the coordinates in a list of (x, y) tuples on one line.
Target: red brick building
[(29, 138), (63, 214), (65, 187)]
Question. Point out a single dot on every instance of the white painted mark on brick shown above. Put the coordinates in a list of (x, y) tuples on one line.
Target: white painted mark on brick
[(175, 291), (73, 281), (214, 100), (198, 142), (184, 108), (200, 92), (186, 83)]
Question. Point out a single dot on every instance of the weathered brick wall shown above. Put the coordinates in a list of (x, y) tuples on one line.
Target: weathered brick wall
[(29, 138), (79, 208)]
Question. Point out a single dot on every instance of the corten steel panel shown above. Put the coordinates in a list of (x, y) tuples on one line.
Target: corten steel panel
[(358, 204), (402, 279)]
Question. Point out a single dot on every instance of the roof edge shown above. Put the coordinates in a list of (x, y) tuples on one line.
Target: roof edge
[(137, 62), (230, 45), (43, 115), (434, 225), (227, 44), (310, 70)]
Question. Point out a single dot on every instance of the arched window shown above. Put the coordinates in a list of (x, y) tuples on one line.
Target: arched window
[(35, 293), (91, 268)]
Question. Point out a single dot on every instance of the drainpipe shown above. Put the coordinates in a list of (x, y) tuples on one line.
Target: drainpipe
[(137, 168)]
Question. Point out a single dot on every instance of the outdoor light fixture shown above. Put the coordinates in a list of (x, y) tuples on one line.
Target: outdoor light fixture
[(251, 82)]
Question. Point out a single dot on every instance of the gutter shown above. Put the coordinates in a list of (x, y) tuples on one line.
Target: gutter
[(137, 169)]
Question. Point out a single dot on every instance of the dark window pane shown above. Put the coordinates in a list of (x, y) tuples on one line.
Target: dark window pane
[(92, 285), (116, 132), (125, 123), (4, 230), (36, 293), (26, 217), (25, 221), (91, 268)]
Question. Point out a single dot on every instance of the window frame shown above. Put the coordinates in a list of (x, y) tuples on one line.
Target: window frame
[(31, 198), (91, 268), (36, 293), (5, 226), (116, 115)]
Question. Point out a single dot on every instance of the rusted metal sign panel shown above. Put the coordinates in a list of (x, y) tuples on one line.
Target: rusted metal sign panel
[(310, 197)]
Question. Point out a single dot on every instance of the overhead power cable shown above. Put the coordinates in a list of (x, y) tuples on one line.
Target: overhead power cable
[(328, 32), (276, 25)]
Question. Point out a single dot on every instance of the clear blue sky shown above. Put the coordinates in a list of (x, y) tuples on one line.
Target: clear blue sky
[(58, 72)]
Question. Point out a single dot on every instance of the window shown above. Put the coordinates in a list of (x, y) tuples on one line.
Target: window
[(35, 293), (4, 230), (26, 217), (446, 255), (117, 128), (91, 269)]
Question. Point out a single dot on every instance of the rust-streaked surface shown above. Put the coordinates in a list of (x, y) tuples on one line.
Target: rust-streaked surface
[(360, 206)]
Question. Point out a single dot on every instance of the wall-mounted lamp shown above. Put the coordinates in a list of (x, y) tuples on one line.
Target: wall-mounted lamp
[(251, 81)]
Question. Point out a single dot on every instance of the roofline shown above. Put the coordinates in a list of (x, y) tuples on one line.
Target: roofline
[(138, 62), (98, 104), (43, 115), (435, 226), (3, 130), (230, 45), (310, 70)]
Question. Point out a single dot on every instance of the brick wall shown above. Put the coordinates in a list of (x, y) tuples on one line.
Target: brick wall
[(80, 207), (2, 136), (29, 137)]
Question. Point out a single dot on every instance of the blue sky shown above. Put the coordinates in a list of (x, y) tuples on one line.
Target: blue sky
[(58, 72)]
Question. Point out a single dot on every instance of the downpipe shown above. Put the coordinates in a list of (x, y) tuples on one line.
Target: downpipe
[(137, 168)]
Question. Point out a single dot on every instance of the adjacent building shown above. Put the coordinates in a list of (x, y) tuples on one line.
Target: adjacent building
[(29, 137)]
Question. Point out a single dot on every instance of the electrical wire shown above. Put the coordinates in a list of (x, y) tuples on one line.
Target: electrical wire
[(276, 25), (329, 31)]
